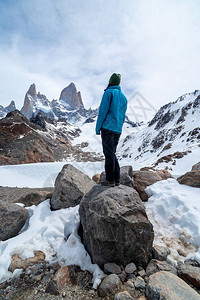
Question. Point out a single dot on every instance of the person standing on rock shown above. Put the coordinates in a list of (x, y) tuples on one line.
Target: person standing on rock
[(110, 120)]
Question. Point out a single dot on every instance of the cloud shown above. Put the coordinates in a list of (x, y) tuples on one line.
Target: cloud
[(153, 44)]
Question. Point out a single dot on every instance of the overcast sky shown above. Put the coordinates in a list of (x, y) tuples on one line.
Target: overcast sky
[(155, 45)]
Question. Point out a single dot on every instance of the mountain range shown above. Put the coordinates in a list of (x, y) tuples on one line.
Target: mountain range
[(173, 133)]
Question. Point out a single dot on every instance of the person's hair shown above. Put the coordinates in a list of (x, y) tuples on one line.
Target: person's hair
[(109, 84)]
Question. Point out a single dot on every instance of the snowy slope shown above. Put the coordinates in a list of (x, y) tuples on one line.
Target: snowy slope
[(171, 135)]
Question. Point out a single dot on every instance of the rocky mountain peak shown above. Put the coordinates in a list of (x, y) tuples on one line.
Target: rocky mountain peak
[(32, 90), (70, 96), (7, 109), (29, 101), (11, 106)]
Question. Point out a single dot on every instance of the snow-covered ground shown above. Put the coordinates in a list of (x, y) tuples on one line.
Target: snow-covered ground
[(172, 208), (174, 211), (46, 231)]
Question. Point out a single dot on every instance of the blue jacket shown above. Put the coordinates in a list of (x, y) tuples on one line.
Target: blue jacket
[(112, 110)]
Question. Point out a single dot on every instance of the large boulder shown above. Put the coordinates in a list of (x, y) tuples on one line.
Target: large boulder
[(191, 178), (144, 178), (167, 286), (70, 186), (115, 226), (27, 196), (13, 218), (190, 274)]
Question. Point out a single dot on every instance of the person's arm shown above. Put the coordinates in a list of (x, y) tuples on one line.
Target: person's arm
[(103, 110)]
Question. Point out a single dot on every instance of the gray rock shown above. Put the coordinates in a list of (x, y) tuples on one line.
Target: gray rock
[(109, 285), (160, 252), (156, 265), (167, 286), (142, 273), (27, 196), (130, 268), (112, 268), (196, 167), (70, 186), (115, 226), (139, 283), (131, 277), (13, 217), (190, 274), (123, 296), (122, 276)]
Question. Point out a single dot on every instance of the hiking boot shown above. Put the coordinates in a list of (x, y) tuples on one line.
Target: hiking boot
[(105, 182), (117, 183)]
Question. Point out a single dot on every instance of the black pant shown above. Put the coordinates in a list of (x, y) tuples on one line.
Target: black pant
[(110, 141)]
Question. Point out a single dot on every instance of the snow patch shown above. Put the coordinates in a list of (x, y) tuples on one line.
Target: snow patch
[(173, 209), (45, 231)]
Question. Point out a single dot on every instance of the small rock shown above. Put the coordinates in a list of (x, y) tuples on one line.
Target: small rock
[(130, 284), (122, 276), (131, 277), (112, 268), (167, 286), (20, 263), (139, 283), (96, 178), (109, 285), (156, 265), (123, 296), (59, 281), (190, 274), (130, 268), (160, 252), (142, 273)]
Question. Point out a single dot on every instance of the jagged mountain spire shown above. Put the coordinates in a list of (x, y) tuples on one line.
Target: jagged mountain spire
[(71, 97), (30, 98)]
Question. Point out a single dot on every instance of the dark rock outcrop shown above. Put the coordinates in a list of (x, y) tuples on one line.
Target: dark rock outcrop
[(24, 142), (167, 286), (70, 186), (115, 226), (13, 218)]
